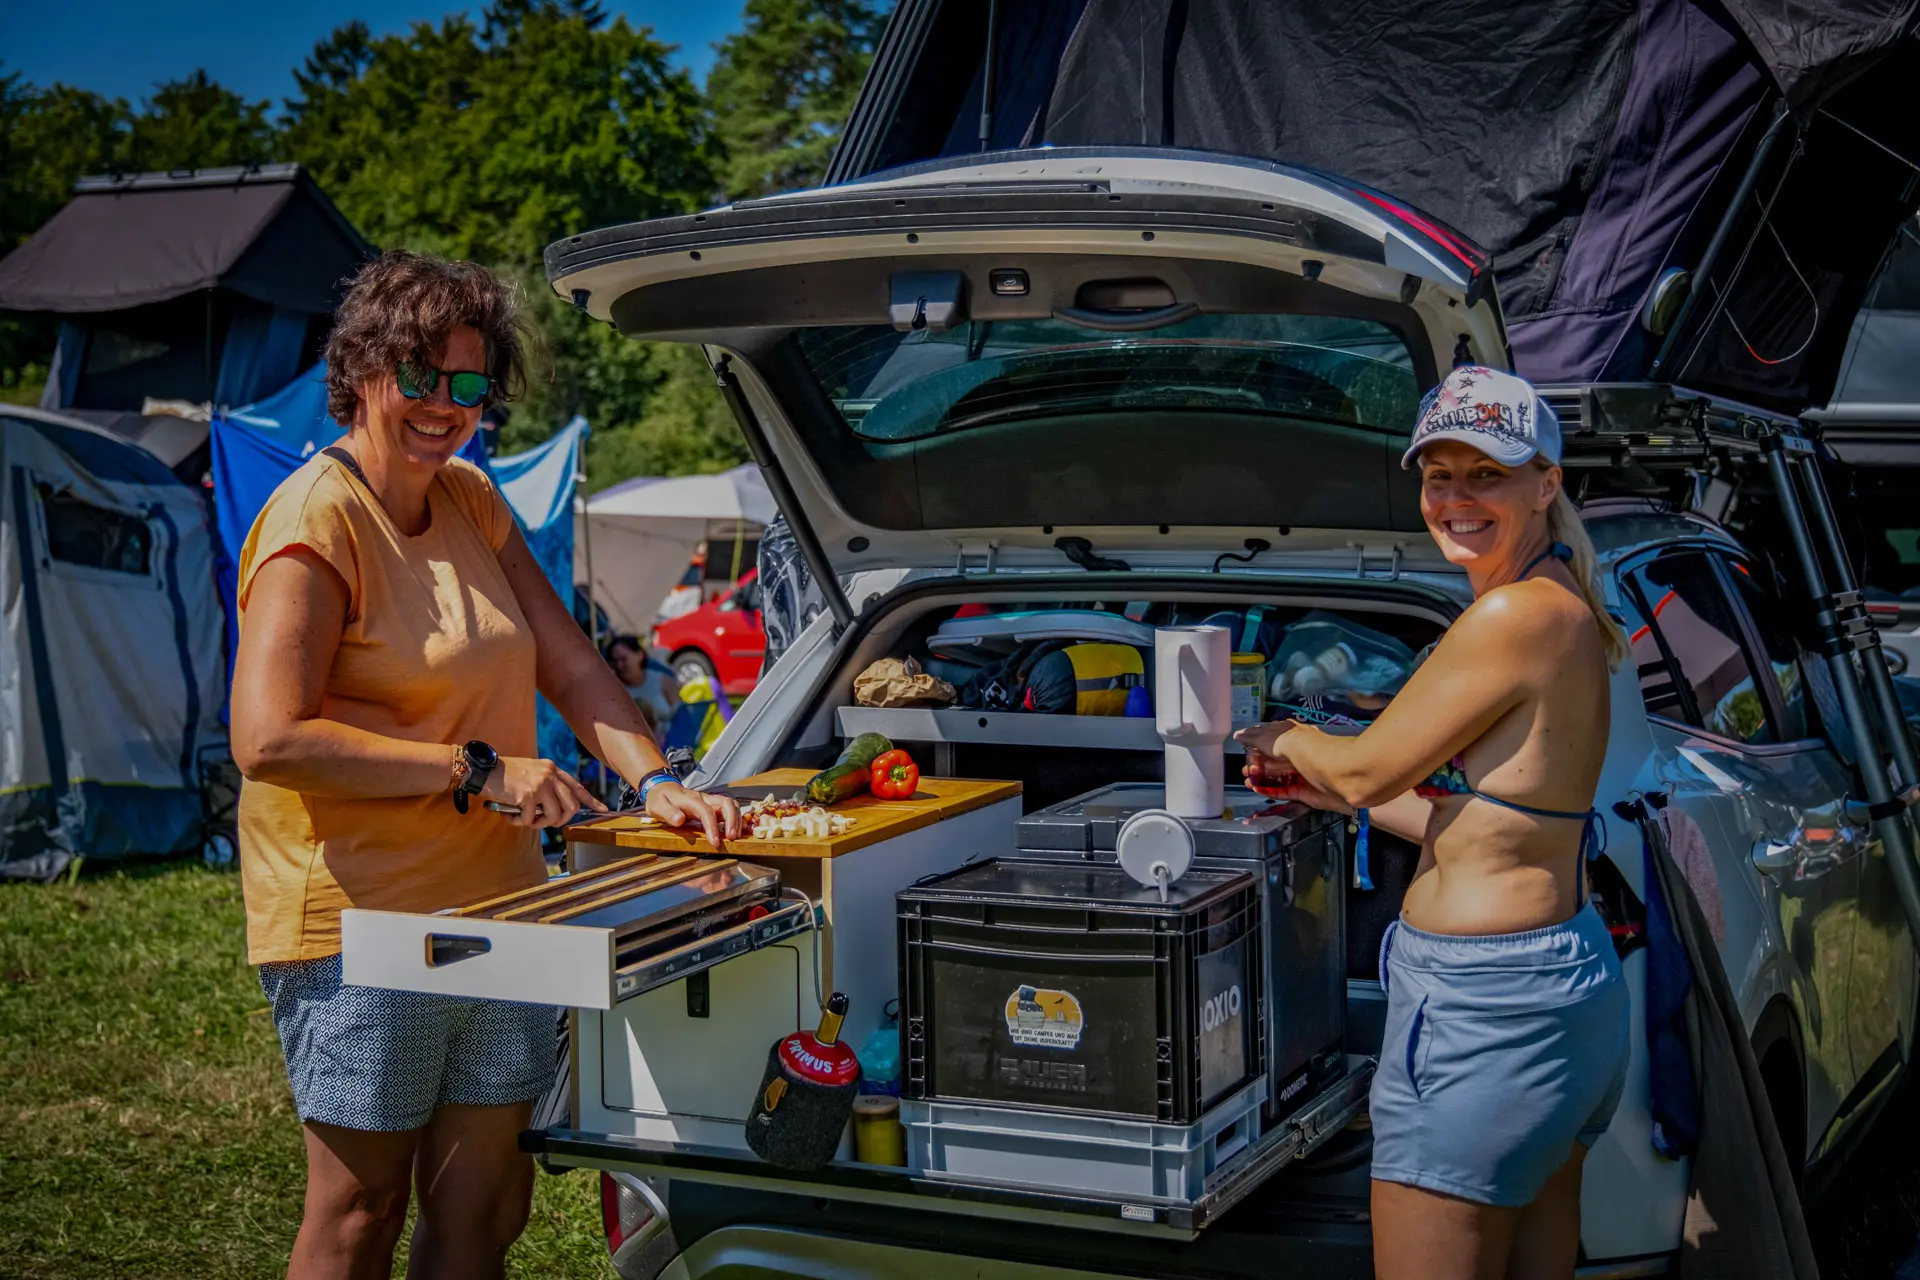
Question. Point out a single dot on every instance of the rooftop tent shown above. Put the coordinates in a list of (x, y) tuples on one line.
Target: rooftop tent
[(1879, 380), (212, 285), (111, 645), (1587, 144), (640, 535)]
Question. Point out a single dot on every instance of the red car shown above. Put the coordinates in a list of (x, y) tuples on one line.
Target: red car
[(724, 638)]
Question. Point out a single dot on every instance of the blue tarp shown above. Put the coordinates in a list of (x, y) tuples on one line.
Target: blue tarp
[(538, 485), (259, 445)]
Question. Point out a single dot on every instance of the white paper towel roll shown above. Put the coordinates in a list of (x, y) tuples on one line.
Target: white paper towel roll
[(1193, 711)]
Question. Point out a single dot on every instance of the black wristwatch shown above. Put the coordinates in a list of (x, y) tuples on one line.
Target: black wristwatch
[(480, 761)]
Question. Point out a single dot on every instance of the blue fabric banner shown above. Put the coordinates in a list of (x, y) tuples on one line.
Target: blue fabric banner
[(538, 485)]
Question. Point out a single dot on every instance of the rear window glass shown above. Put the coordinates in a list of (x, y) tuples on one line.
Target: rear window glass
[(894, 385)]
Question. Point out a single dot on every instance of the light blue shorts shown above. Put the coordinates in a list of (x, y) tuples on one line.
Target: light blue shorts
[(367, 1058), (1500, 1053)]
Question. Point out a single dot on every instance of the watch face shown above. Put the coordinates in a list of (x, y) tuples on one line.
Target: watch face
[(482, 755)]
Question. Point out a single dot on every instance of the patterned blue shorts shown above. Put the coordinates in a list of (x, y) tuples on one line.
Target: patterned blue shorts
[(366, 1058)]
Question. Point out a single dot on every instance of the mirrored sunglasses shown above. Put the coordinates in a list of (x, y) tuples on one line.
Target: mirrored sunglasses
[(465, 389)]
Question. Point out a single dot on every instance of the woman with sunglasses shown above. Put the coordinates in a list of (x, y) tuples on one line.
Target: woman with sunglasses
[(394, 629)]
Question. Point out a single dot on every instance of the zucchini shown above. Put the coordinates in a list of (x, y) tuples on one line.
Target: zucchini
[(864, 750), (849, 775)]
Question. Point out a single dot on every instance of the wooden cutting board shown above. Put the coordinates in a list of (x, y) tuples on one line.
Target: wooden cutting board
[(874, 819)]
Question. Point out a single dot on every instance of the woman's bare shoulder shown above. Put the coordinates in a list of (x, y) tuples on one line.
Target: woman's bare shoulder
[(1524, 620)]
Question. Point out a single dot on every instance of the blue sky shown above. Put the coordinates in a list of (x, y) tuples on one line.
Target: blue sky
[(122, 48)]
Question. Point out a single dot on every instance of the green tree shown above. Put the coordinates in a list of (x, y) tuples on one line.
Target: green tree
[(782, 88), (197, 124), (490, 140)]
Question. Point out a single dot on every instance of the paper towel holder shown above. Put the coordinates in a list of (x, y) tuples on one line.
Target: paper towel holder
[(1155, 847)]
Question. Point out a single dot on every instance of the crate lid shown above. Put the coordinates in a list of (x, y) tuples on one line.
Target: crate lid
[(1253, 826), (1017, 881)]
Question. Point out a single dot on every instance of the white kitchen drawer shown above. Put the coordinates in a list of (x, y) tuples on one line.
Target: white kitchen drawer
[(585, 941)]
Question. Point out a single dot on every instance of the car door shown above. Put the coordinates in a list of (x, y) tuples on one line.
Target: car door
[(1881, 984), (740, 642), (1777, 866)]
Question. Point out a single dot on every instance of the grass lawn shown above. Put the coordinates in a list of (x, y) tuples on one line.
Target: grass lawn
[(147, 1128), (148, 1132)]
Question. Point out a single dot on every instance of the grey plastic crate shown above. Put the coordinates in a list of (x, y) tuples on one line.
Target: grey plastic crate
[(1064, 1152)]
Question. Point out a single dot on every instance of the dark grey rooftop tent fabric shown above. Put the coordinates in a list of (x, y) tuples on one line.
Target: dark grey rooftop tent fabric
[(269, 235), (1586, 144)]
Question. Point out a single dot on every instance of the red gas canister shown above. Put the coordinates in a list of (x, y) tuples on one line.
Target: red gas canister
[(806, 1094)]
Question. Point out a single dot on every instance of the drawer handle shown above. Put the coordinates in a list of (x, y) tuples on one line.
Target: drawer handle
[(449, 948)]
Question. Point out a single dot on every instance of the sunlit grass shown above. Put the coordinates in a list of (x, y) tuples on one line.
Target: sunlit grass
[(146, 1130)]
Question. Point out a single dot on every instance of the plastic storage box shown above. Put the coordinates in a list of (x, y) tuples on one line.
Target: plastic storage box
[(1061, 987), (1063, 1152), (1297, 855)]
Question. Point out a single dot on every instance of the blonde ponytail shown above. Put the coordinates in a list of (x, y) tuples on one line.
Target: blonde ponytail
[(1564, 525)]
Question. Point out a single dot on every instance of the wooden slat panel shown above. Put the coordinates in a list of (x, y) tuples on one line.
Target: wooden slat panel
[(642, 875), (557, 885), (554, 913)]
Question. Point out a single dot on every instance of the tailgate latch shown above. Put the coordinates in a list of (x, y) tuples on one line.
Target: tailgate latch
[(1362, 553)]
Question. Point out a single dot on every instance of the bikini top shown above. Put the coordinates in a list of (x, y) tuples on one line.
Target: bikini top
[(1450, 779)]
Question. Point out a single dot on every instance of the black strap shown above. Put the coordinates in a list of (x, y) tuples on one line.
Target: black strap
[(346, 460)]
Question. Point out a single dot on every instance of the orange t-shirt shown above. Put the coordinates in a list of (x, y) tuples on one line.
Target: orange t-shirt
[(435, 649)]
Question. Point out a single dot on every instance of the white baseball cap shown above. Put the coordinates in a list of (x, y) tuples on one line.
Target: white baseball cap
[(1497, 413)]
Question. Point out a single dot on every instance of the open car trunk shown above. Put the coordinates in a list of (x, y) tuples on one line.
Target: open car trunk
[(1064, 357)]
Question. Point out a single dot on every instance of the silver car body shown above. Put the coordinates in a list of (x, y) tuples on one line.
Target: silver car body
[(1809, 929)]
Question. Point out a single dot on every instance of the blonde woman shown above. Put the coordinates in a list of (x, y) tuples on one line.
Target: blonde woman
[(1506, 1036)]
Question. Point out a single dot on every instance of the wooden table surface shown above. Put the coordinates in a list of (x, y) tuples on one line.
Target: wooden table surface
[(874, 819)]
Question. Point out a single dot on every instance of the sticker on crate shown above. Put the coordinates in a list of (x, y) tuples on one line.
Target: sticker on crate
[(1043, 1018)]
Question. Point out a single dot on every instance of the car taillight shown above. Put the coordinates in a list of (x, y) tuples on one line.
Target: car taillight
[(623, 1212)]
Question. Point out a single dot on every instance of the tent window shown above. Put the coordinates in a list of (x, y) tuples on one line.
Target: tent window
[(96, 537)]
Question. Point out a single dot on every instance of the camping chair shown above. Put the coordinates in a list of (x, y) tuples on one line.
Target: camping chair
[(218, 779)]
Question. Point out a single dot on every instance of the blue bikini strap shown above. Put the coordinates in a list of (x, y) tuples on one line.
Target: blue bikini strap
[(1555, 551)]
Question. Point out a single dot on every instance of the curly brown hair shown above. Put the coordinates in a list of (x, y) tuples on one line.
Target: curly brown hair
[(402, 306)]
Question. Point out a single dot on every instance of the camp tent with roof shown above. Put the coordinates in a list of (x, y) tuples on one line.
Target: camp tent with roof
[(210, 286), (109, 645), (633, 541)]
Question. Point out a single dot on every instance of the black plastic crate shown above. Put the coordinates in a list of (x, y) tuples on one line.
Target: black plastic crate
[(1298, 855), (1047, 985)]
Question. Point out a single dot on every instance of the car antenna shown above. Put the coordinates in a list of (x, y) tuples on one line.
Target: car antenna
[(986, 81), (1081, 552)]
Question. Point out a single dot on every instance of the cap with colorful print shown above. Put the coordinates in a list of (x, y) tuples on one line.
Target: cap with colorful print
[(1497, 413)]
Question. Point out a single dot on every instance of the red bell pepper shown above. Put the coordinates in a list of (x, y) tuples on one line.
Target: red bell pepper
[(895, 776)]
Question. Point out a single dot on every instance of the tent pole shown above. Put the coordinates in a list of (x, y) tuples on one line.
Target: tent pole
[(586, 536), (986, 77), (1711, 258)]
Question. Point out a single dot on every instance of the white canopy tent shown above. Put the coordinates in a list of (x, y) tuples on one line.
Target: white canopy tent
[(633, 542)]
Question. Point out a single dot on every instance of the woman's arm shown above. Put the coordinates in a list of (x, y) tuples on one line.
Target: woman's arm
[(1405, 815), (1481, 670), (580, 685), (296, 610)]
